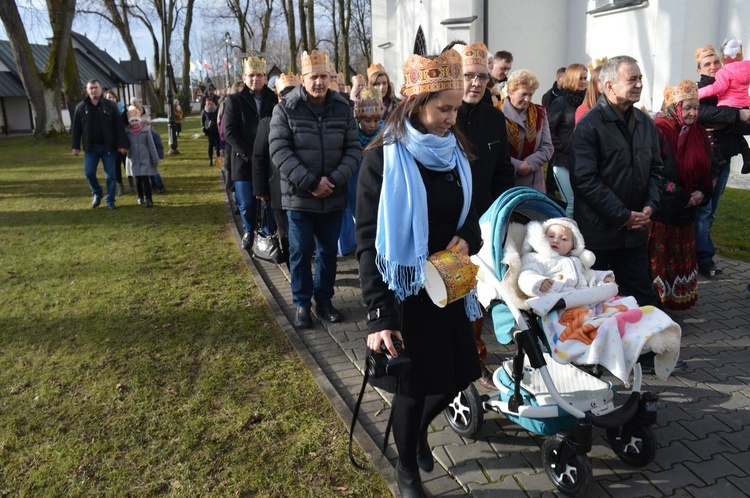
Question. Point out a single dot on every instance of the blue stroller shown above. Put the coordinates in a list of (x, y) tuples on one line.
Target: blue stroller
[(562, 401)]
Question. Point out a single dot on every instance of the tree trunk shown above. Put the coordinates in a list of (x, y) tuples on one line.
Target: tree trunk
[(311, 39), (266, 26), (345, 19), (287, 6), (336, 32), (42, 90), (186, 86), (303, 28)]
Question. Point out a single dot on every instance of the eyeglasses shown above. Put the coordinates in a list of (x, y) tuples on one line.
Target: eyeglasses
[(472, 77)]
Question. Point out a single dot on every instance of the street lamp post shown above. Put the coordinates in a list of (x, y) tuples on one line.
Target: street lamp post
[(169, 81), (227, 43)]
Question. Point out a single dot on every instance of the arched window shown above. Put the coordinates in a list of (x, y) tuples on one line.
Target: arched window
[(420, 45)]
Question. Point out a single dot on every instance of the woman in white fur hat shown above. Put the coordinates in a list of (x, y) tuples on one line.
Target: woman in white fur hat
[(556, 259)]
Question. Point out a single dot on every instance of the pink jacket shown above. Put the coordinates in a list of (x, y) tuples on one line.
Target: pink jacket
[(731, 85)]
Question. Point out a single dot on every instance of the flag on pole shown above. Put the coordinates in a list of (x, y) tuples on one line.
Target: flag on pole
[(192, 66), (206, 65)]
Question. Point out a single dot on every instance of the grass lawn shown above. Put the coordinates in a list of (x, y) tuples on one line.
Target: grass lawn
[(136, 356)]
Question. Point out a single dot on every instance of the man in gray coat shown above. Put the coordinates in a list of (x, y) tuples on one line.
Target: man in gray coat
[(313, 140)]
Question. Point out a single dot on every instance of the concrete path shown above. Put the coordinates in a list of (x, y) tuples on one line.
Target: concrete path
[(703, 428)]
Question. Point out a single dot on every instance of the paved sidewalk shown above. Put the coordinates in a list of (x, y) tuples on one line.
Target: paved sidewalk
[(703, 428)]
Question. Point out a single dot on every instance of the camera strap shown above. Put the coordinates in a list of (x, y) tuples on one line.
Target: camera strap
[(354, 423)]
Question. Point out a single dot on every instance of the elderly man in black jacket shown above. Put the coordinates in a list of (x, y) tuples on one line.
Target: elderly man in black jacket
[(242, 113), (314, 142), (98, 122), (616, 174), (492, 172)]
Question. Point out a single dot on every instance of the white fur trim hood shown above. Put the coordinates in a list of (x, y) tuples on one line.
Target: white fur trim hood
[(536, 241)]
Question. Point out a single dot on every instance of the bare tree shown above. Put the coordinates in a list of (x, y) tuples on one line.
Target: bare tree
[(361, 28), (311, 24), (118, 13), (248, 14), (287, 7), (186, 86), (43, 88), (345, 20), (303, 27)]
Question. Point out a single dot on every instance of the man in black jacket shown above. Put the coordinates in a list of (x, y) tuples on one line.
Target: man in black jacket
[(242, 113), (616, 174), (553, 92), (723, 123), (314, 142), (98, 122), (491, 170)]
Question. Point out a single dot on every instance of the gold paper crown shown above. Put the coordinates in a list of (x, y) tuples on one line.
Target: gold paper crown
[(476, 53), (432, 75), (314, 61), (254, 65), (374, 69), (593, 64), (706, 51), (331, 69), (285, 80), (369, 103), (683, 90)]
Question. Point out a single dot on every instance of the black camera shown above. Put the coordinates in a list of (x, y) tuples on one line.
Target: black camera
[(380, 364)]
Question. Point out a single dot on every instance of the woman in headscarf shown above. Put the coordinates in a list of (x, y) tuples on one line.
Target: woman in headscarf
[(529, 138), (689, 173), (414, 199)]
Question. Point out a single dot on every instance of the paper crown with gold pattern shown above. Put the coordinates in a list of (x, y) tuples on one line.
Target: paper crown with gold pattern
[(134, 114), (706, 51), (314, 61), (375, 68), (476, 53), (683, 90), (423, 75), (331, 68), (285, 80), (593, 64), (369, 103), (254, 65)]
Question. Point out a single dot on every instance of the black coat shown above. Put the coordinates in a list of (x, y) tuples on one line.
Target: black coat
[(439, 341), (240, 121), (561, 115), (112, 125), (266, 180), (491, 170), (725, 122), (612, 174), (551, 95), (672, 208)]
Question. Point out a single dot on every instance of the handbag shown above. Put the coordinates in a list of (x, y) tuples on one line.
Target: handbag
[(266, 243)]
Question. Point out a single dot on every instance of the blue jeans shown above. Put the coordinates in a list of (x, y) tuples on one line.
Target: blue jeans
[(562, 177), (243, 195), (704, 219), (91, 159), (308, 231)]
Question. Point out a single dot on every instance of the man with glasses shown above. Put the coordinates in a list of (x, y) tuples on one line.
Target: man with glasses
[(242, 113), (491, 169)]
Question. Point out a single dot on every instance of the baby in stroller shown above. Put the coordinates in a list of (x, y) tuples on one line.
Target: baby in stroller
[(557, 260)]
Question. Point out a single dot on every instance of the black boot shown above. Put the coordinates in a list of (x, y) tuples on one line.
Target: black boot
[(745, 160), (409, 483), (424, 454)]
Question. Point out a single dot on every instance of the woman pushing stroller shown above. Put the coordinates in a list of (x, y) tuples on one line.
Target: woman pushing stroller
[(417, 174)]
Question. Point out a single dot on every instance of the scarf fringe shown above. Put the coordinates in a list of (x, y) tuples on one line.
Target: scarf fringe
[(404, 281), (472, 306)]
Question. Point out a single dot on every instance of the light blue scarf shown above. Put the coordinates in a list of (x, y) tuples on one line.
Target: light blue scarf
[(402, 235)]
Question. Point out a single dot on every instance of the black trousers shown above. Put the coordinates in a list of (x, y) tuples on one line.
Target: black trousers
[(143, 184), (631, 267)]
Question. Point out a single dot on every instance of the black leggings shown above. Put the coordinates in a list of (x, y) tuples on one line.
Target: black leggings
[(411, 418), (213, 145), (143, 184)]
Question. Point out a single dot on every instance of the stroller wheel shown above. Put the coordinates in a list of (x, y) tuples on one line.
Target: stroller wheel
[(572, 476), (640, 450), (465, 414)]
